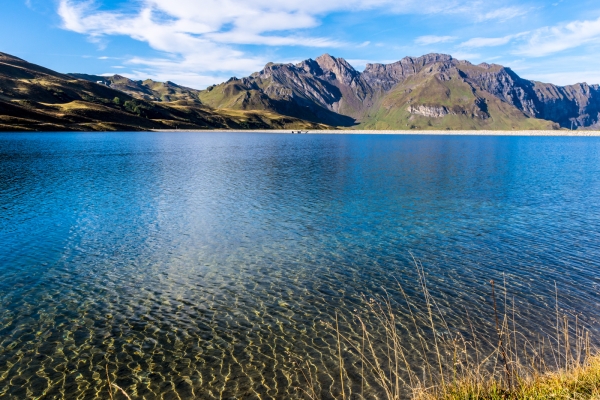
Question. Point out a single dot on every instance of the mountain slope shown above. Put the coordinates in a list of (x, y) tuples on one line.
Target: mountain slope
[(434, 91), (283, 88), (430, 101), (36, 98), (144, 90)]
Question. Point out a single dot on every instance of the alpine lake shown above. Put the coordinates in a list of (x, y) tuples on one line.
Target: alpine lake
[(205, 265)]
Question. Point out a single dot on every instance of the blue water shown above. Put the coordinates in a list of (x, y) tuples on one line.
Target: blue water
[(190, 263)]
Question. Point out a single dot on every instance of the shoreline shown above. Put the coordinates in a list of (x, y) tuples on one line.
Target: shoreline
[(398, 132)]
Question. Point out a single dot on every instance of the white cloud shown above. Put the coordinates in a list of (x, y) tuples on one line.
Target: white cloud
[(566, 77), (201, 35), (188, 79), (201, 38), (503, 14), (180, 38), (431, 39), (487, 42), (459, 55), (562, 70), (549, 40), (545, 41)]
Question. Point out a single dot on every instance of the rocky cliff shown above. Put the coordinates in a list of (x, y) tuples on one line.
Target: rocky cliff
[(432, 91)]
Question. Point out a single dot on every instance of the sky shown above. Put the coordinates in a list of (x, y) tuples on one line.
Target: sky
[(197, 43)]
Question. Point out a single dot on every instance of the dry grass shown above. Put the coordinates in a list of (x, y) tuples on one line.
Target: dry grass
[(445, 363), (578, 381)]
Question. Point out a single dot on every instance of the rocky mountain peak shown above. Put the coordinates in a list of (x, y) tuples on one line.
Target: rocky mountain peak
[(386, 76), (401, 94), (340, 68), (427, 59), (310, 66)]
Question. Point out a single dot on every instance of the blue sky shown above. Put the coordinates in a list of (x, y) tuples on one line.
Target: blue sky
[(200, 42)]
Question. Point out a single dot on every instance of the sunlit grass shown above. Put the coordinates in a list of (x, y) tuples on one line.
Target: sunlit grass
[(580, 380)]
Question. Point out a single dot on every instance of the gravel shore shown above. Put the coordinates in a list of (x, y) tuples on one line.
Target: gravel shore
[(412, 132)]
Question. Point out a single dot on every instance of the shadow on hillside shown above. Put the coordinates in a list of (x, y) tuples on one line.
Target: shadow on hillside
[(313, 113)]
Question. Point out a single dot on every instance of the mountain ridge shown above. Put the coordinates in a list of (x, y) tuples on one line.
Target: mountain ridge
[(373, 97), (434, 91)]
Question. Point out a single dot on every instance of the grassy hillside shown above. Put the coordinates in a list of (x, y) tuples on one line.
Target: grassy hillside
[(145, 90), (433, 92), (463, 106), (282, 90), (34, 98)]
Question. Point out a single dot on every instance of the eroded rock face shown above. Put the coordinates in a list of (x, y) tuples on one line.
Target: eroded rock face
[(429, 111), (338, 69), (579, 103), (386, 76), (476, 110)]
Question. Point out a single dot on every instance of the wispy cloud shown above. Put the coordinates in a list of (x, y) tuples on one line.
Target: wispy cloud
[(207, 35), (431, 39), (544, 41), (460, 55), (488, 42), (554, 39), (503, 14), (568, 77), (179, 76), (203, 35)]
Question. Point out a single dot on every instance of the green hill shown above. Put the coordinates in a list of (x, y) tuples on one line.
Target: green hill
[(442, 99), (434, 91), (34, 98)]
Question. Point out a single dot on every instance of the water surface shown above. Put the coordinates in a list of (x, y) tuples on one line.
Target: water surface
[(192, 263)]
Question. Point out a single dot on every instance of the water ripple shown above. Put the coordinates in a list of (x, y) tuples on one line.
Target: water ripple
[(194, 264)]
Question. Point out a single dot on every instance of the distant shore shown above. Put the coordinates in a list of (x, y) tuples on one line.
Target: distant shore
[(401, 132)]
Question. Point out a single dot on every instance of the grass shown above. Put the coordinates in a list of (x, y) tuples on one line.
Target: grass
[(426, 89), (578, 381), (33, 98), (446, 362)]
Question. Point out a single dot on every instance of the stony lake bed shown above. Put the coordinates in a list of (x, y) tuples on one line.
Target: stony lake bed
[(199, 264)]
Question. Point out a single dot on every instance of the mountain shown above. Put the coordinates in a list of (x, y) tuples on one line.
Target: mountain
[(434, 91), (36, 98), (148, 89)]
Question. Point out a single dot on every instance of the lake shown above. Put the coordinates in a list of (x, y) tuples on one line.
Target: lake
[(194, 264)]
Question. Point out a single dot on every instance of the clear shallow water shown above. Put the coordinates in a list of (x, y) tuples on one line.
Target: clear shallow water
[(190, 263)]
